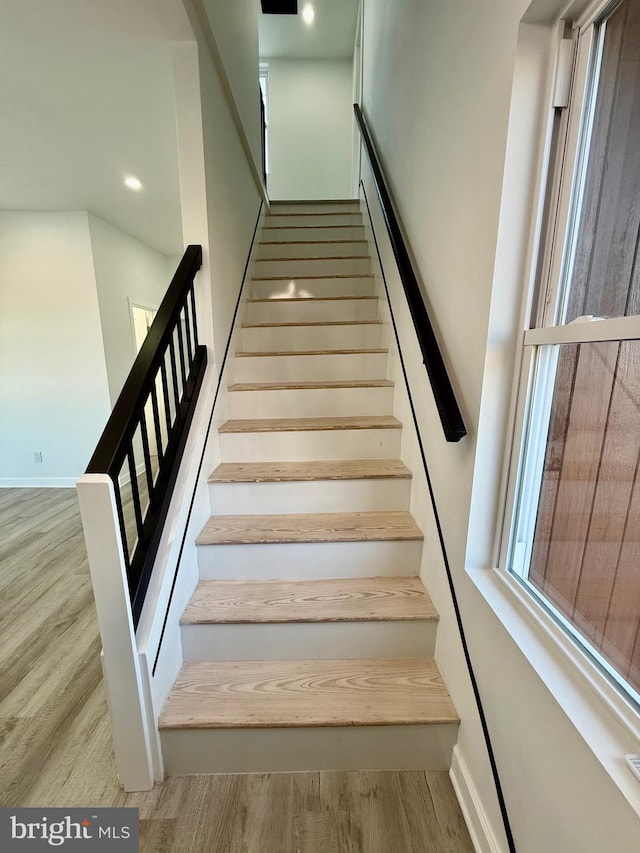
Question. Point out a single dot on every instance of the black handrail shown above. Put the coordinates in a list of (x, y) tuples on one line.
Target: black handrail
[(448, 409), (263, 137), (153, 412)]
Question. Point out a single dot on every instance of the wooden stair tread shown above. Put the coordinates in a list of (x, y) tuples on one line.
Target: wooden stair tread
[(313, 323), (332, 600), (265, 694), (304, 227), (309, 527), (318, 201), (372, 351), (274, 472), (310, 424), (310, 277), (309, 242), (310, 300), (319, 213), (316, 258), (310, 386)]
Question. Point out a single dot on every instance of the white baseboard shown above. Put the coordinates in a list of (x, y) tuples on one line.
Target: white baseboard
[(38, 482), (482, 835)]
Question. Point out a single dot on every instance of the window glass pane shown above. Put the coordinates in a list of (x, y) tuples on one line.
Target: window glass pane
[(586, 549), (605, 275)]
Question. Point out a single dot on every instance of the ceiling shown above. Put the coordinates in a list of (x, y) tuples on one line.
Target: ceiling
[(88, 98), (331, 36)]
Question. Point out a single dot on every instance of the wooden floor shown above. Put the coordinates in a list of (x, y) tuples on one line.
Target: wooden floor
[(56, 747)]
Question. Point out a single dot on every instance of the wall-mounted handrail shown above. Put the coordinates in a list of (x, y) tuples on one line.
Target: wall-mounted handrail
[(263, 137), (143, 441), (448, 409)]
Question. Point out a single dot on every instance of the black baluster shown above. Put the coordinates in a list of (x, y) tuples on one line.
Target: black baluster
[(165, 394), (147, 455), (135, 494), (194, 316), (187, 332), (183, 371), (156, 422), (174, 373)]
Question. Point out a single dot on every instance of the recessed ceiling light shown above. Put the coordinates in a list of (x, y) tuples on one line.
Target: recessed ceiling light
[(308, 14), (133, 183)]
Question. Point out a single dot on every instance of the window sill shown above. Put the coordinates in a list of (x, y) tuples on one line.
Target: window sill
[(608, 723)]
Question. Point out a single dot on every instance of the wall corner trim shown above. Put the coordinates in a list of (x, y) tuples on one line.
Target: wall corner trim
[(482, 835)]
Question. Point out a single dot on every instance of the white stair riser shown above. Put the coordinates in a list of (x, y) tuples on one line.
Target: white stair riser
[(310, 496), (304, 288), (308, 338), (311, 403), (292, 207), (302, 445), (312, 250), (313, 220), (310, 311), (298, 234), (311, 266), (319, 748), (310, 368), (309, 640), (299, 560)]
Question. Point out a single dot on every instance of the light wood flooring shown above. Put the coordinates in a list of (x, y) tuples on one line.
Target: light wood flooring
[(55, 747)]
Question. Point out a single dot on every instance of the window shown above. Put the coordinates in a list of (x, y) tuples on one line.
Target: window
[(574, 537)]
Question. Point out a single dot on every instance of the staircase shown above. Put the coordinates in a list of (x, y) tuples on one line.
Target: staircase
[(309, 641)]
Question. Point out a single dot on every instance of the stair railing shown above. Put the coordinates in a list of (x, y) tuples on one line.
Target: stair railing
[(153, 413), (124, 499), (445, 399)]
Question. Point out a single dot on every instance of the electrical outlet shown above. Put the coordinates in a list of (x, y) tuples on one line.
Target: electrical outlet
[(37, 456)]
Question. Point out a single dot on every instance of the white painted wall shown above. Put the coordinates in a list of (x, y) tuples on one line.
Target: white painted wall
[(171, 265), (126, 271), (310, 128), (437, 89), (232, 197), (53, 382), (235, 29)]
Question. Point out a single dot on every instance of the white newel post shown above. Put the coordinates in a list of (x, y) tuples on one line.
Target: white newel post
[(121, 663)]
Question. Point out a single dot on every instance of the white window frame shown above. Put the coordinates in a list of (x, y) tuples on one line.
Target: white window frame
[(539, 355), (608, 720)]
